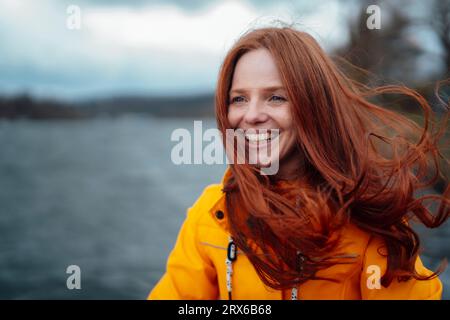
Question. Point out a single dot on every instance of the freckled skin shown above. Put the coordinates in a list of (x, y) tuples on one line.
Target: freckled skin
[(259, 101)]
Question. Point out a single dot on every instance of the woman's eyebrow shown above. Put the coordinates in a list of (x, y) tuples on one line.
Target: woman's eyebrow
[(271, 88)]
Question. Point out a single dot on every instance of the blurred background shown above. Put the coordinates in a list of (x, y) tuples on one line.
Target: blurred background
[(86, 116)]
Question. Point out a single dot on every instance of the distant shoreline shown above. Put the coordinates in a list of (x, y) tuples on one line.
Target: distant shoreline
[(26, 106)]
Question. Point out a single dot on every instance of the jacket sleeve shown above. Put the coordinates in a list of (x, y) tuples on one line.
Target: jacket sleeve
[(412, 289), (189, 275)]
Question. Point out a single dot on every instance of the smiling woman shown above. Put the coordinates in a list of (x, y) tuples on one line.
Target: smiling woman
[(334, 221)]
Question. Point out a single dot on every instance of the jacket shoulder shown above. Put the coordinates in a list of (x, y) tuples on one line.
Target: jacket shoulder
[(212, 197)]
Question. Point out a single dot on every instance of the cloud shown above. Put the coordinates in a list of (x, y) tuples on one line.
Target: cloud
[(143, 47), (171, 28)]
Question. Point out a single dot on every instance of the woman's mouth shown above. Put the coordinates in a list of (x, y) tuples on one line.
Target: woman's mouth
[(258, 137), (263, 140)]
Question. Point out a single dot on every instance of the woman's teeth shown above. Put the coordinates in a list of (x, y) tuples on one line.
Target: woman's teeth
[(257, 137)]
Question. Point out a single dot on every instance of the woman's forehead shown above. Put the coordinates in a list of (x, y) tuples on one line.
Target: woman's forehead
[(256, 70)]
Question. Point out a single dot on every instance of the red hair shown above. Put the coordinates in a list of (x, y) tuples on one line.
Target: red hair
[(363, 164)]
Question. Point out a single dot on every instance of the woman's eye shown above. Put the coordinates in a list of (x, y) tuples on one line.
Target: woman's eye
[(238, 99), (277, 98)]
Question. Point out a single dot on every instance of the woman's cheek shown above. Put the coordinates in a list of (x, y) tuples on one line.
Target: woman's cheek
[(233, 117)]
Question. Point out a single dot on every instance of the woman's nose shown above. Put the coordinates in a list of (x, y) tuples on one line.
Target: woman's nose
[(255, 113)]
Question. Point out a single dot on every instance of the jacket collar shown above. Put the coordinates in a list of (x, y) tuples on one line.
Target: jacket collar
[(220, 204)]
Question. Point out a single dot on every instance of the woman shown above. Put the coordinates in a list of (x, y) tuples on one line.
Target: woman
[(333, 222)]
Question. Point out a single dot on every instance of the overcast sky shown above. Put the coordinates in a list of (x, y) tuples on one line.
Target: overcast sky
[(137, 47)]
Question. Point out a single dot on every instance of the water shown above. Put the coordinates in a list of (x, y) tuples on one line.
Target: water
[(101, 194)]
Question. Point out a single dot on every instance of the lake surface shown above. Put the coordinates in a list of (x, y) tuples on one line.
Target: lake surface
[(102, 194)]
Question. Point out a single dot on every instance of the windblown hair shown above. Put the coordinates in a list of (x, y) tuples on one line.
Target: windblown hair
[(363, 164)]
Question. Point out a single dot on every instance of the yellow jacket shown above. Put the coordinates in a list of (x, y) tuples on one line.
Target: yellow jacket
[(196, 268)]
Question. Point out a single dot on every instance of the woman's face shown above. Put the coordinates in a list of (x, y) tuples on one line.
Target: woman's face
[(257, 101)]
